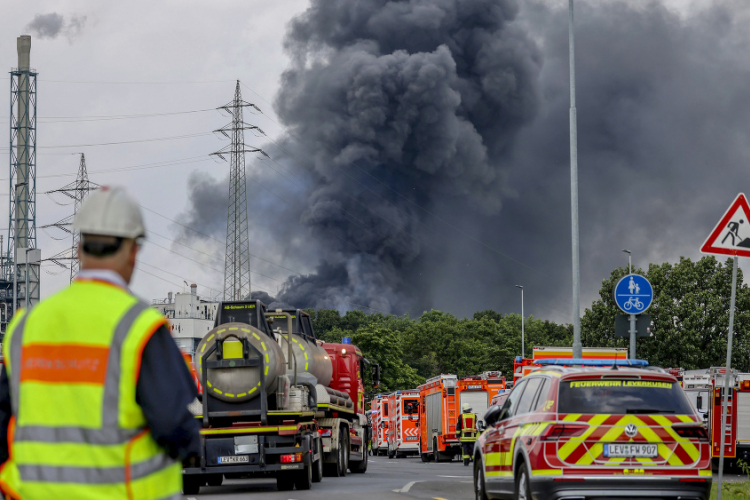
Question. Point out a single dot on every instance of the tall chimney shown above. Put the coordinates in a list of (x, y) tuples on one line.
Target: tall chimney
[(194, 289), (22, 174)]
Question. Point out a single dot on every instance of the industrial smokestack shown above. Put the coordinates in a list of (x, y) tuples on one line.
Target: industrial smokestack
[(24, 51), (22, 174)]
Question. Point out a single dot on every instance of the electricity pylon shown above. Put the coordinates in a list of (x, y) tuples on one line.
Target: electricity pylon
[(77, 191), (237, 280)]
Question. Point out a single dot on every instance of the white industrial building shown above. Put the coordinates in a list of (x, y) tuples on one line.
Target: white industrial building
[(190, 317)]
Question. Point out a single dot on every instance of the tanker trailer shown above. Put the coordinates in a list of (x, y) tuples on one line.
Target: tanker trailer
[(258, 413), (339, 398)]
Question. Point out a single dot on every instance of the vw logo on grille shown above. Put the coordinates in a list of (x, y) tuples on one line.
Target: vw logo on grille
[(631, 430)]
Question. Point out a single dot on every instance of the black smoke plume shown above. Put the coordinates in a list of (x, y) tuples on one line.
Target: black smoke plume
[(429, 141)]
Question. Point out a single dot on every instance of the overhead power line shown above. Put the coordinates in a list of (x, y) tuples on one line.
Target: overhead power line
[(172, 138)]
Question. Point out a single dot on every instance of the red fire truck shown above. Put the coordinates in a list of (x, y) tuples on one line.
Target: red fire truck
[(441, 398), (705, 389), (403, 423)]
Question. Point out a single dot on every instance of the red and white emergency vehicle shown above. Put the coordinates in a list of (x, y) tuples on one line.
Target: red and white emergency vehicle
[(403, 423), (379, 415), (442, 398)]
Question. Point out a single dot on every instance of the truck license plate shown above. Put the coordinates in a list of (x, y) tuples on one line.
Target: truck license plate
[(236, 459), (411, 438), (630, 450)]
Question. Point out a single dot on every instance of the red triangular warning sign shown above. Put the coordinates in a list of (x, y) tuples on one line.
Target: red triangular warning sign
[(731, 236)]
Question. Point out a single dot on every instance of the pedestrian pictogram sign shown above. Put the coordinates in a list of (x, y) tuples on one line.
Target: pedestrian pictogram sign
[(731, 236)]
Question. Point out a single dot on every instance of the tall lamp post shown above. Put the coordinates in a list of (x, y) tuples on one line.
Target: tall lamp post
[(630, 263), (577, 346), (522, 321)]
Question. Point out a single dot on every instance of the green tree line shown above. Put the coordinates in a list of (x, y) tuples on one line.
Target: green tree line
[(690, 316)]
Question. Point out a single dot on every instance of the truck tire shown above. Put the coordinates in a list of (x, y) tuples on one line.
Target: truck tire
[(284, 481), (359, 466), (303, 478), (191, 484), (346, 454), (317, 468), (338, 468), (436, 451)]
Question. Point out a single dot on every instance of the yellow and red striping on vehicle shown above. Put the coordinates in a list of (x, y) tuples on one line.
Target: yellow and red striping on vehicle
[(586, 451)]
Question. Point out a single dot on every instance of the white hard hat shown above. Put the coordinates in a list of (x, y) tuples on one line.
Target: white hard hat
[(110, 212), (466, 407)]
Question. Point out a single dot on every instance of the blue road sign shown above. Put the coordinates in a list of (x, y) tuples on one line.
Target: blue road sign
[(633, 294)]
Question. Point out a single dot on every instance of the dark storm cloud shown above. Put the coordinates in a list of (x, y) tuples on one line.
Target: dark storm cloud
[(53, 25), (411, 114)]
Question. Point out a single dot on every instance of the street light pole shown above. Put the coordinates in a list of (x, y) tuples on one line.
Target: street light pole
[(577, 346), (631, 317), (522, 324), (630, 264)]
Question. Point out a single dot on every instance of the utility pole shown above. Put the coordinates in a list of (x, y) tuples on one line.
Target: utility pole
[(631, 317), (630, 262), (237, 281), (522, 323), (577, 346), (77, 190)]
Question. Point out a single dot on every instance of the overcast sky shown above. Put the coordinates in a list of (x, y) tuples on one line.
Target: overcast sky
[(664, 149)]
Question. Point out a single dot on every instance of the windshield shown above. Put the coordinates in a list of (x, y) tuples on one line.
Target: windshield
[(622, 397), (411, 407)]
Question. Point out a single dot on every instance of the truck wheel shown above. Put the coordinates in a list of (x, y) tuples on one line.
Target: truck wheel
[(284, 482), (303, 478), (360, 467), (317, 468), (337, 469), (436, 451), (215, 479), (191, 484), (345, 442)]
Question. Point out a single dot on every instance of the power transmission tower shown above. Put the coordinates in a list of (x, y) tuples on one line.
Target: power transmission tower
[(77, 191), (237, 281)]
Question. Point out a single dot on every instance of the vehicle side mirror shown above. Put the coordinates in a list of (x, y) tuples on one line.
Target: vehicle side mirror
[(492, 415), (481, 426)]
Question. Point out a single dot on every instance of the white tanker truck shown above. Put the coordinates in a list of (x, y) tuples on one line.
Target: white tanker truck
[(276, 403)]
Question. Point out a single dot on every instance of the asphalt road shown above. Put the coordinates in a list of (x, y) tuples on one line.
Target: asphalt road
[(409, 476), (395, 479)]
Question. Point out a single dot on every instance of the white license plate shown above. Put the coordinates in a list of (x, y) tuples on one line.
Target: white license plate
[(630, 450), (411, 438), (237, 459)]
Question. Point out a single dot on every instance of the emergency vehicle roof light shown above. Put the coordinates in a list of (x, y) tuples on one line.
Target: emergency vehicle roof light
[(592, 362), (346, 340), (519, 359)]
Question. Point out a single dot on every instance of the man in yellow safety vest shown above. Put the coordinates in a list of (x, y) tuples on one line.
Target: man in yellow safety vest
[(94, 392), (466, 430)]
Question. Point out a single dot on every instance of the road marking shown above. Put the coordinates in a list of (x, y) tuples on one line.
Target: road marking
[(467, 477), (407, 487), (439, 498)]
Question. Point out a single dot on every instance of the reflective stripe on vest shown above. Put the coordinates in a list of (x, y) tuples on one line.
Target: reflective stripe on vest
[(468, 427), (110, 454)]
